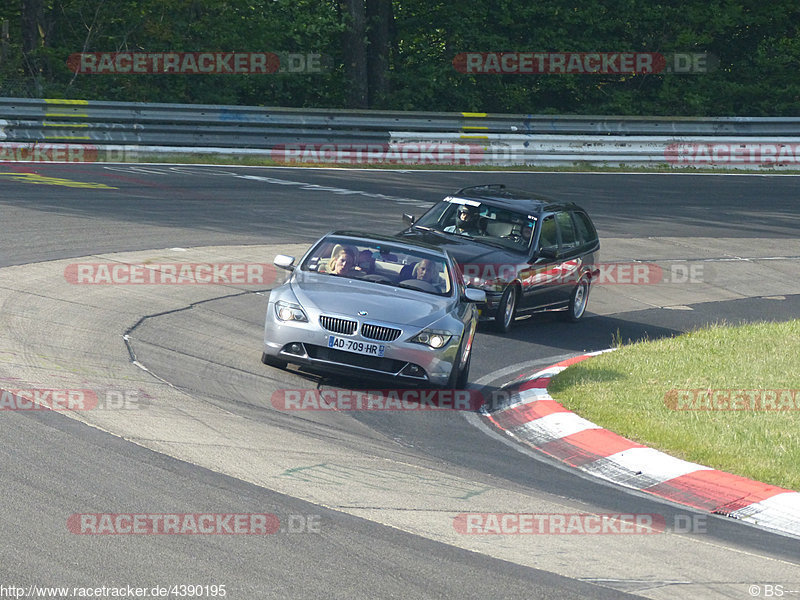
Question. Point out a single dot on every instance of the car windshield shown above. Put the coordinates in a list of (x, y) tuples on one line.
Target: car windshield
[(381, 263), (485, 223)]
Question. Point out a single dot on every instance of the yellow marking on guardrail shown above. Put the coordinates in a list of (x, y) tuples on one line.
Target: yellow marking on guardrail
[(53, 136), (54, 114), (474, 137), (470, 115), (62, 101), (57, 102), (35, 178)]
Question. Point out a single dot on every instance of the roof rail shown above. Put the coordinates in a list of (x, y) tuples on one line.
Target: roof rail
[(486, 186)]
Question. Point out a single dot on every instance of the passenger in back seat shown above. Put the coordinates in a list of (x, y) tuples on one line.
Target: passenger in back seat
[(366, 262)]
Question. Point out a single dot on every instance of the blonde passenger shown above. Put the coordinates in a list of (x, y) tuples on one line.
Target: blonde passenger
[(342, 262)]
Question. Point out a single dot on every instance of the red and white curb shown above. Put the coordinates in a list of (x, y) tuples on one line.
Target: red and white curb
[(534, 418)]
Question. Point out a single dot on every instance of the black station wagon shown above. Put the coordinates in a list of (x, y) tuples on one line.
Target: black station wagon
[(527, 252)]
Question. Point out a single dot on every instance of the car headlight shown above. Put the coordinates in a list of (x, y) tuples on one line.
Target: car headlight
[(433, 338), (286, 311)]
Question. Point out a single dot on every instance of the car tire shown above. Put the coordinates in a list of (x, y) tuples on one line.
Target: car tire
[(458, 374), (507, 309), (463, 375), (578, 301), (273, 362)]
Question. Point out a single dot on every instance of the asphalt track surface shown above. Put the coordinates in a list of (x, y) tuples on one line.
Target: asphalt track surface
[(55, 466)]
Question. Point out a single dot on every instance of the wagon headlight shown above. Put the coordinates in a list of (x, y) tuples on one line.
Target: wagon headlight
[(433, 338), (488, 285), (286, 311)]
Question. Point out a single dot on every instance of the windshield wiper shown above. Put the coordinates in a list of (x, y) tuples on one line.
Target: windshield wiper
[(434, 231), (380, 281), (405, 286)]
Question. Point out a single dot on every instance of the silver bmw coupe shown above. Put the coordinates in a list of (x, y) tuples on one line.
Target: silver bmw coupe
[(376, 307)]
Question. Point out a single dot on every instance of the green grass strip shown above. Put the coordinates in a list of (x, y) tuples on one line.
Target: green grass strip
[(638, 392)]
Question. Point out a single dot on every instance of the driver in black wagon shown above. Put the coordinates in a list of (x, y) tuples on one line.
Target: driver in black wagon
[(466, 222)]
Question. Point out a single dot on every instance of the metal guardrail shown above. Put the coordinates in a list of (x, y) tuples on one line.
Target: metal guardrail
[(345, 136)]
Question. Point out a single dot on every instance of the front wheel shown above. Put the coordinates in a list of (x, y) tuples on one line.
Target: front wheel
[(463, 375), (578, 301), (459, 374), (507, 309)]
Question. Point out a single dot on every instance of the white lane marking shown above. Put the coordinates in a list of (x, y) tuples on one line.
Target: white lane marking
[(137, 169), (313, 187), (335, 190), (522, 366)]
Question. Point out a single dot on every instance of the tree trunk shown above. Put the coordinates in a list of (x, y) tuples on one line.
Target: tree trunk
[(355, 53), (32, 25), (379, 32), (35, 32)]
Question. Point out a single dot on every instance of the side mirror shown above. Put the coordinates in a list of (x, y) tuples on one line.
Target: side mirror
[(548, 253), (475, 295), (409, 219), (284, 262)]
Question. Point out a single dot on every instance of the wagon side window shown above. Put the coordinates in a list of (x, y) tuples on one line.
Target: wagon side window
[(586, 231), (569, 237), (548, 238)]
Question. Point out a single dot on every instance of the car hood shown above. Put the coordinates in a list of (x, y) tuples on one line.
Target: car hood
[(328, 294), (465, 250)]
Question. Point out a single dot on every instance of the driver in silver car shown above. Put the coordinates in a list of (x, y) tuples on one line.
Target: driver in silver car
[(425, 270)]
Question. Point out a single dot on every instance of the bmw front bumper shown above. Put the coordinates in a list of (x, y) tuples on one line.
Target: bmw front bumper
[(307, 344)]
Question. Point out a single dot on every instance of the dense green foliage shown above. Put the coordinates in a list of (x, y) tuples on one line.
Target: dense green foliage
[(757, 44)]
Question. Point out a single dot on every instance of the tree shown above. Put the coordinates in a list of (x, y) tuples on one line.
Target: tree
[(35, 33), (380, 24), (398, 54), (354, 51)]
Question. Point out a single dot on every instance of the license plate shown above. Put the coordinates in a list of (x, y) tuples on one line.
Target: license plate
[(356, 346)]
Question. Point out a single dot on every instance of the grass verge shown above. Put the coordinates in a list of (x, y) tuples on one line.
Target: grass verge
[(637, 392)]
